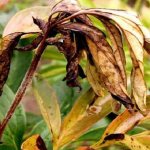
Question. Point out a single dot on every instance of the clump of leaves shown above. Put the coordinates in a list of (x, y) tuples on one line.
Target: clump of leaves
[(71, 30)]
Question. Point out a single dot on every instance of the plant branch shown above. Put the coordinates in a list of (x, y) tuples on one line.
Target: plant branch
[(27, 79)]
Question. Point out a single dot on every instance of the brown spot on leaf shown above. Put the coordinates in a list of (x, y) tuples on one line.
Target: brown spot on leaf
[(40, 144), (114, 137)]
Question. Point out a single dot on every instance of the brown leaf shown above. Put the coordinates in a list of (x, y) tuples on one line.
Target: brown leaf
[(66, 6), (94, 79), (69, 7), (69, 49), (146, 33), (34, 44), (117, 45), (8, 43), (131, 28), (41, 24), (103, 59)]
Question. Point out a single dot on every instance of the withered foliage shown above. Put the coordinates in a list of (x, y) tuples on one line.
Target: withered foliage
[(70, 29)]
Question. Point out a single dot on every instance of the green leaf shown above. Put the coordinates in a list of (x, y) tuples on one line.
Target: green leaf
[(32, 119), (48, 104), (19, 65), (52, 52), (15, 129), (52, 70), (92, 135), (136, 130), (67, 96)]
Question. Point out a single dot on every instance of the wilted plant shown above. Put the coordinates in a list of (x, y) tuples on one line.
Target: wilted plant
[(71, 30)]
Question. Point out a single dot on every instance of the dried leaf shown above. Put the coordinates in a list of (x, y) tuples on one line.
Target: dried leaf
[(34, 44), (35, 142), (104, 60), (69, 7), (7, 45), (134, 37), (49, 107), (94, 79), (123, 123), (66, 6), (130, 26), (131, 142), (117, 45), (41, 24), (69, 49)]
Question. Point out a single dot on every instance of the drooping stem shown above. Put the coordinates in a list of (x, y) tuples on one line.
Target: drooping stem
[(27, 79)]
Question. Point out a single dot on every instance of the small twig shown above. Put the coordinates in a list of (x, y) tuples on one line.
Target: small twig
[(28, 77)]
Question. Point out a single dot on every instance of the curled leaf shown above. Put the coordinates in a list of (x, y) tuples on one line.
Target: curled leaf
[(104, 60), (7, 45)]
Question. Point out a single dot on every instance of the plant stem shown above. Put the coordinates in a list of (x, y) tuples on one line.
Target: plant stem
[(27, 79)]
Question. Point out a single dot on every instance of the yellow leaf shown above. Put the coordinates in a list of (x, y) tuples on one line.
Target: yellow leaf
[(87, 110), (123, 123), (129, 141), (35, 142), (49, 106), (143, 138)]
